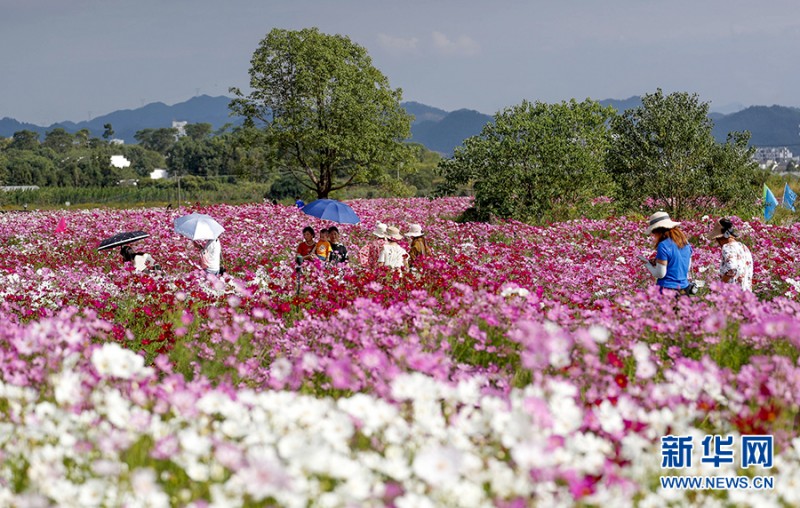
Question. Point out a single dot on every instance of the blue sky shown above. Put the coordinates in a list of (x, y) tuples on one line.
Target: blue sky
[(76, 59)]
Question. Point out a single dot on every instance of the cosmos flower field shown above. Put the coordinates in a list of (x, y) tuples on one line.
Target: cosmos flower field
[(517, 366)]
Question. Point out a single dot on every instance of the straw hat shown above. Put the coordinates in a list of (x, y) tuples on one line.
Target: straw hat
[(661, 220), (414, 230), (380, 230), (393, 233)]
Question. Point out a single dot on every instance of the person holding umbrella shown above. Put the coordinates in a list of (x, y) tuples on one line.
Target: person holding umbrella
[(142, 261), (210, 255), (204, 232)]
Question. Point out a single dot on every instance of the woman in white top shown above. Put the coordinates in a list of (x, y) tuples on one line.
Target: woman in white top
[(211, 254), (393, 255), (142, 261), (736, 264)]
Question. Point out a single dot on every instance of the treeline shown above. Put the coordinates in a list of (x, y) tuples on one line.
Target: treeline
[(204, 159), (540, 162)]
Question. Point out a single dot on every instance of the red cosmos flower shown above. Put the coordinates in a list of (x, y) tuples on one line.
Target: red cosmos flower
[(614, 360)]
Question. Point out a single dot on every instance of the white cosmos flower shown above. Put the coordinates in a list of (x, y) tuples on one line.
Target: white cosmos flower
[(92, 492), (413, 500), (438, 465), (146, 491), (113, 360), (610, 419), (280, 369), (599, 333), (193, 443)]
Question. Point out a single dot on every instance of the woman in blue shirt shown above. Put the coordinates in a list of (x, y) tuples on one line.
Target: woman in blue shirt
[(673, 253)]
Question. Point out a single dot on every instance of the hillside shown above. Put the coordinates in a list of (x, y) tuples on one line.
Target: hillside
[(768, 126), (439, 130)]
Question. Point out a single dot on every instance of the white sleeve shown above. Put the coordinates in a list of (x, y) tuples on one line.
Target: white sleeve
[(658, 270)]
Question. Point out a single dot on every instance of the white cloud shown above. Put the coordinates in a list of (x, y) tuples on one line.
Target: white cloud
[(398, 44), (462, 45)]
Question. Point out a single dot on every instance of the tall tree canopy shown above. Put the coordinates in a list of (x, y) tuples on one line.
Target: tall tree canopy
[(664, 150), (535, 161), (330, 113)]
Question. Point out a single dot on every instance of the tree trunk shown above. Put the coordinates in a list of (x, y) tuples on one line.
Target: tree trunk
[(325, 182)]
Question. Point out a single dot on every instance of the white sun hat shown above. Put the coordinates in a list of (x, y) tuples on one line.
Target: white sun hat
[(661, 220), (414, 230)]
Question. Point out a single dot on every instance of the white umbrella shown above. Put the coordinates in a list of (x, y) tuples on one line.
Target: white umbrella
[(198, 226)]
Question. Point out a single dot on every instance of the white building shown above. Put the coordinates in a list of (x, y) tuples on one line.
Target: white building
[(119, 161), (180, 127), (158, 174), (769, 156)]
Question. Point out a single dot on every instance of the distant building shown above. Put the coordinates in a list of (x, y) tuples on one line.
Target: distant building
[(769, 157), (180, 127), (158, 174), (116, 141), (119, 161)]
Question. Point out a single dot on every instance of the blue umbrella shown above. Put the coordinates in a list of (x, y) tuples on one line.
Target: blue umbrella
[(330, 209)]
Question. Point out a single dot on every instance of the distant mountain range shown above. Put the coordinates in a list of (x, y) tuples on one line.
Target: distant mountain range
[(436, 129)]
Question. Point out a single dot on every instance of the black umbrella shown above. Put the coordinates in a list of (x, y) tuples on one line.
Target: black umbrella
[(121, 239)]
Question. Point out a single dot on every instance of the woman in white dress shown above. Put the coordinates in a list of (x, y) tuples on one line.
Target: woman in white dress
[(736, 263), (393, 255)]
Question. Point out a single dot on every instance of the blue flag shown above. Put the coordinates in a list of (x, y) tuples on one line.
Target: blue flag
[(788, 197), (770, 203)]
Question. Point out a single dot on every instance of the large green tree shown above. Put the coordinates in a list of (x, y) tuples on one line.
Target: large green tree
[(58, 140), (535, 161), (160, 140), (664, 151), (330, 113)]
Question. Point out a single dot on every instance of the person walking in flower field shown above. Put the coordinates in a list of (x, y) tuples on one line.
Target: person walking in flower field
[(673, 258), (393, 255), (418, 246), (736, 263), (369, 254)]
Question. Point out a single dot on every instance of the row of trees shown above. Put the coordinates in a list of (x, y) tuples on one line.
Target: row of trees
[(541, 161), (62, 159), (320, 117), (334, 120)]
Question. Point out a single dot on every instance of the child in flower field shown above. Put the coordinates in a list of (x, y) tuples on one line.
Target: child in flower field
[(369, 254), (673, 253), (736, 264), (393, 255), (418, 247), (323, 247), (306, 247), (338, 250)]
